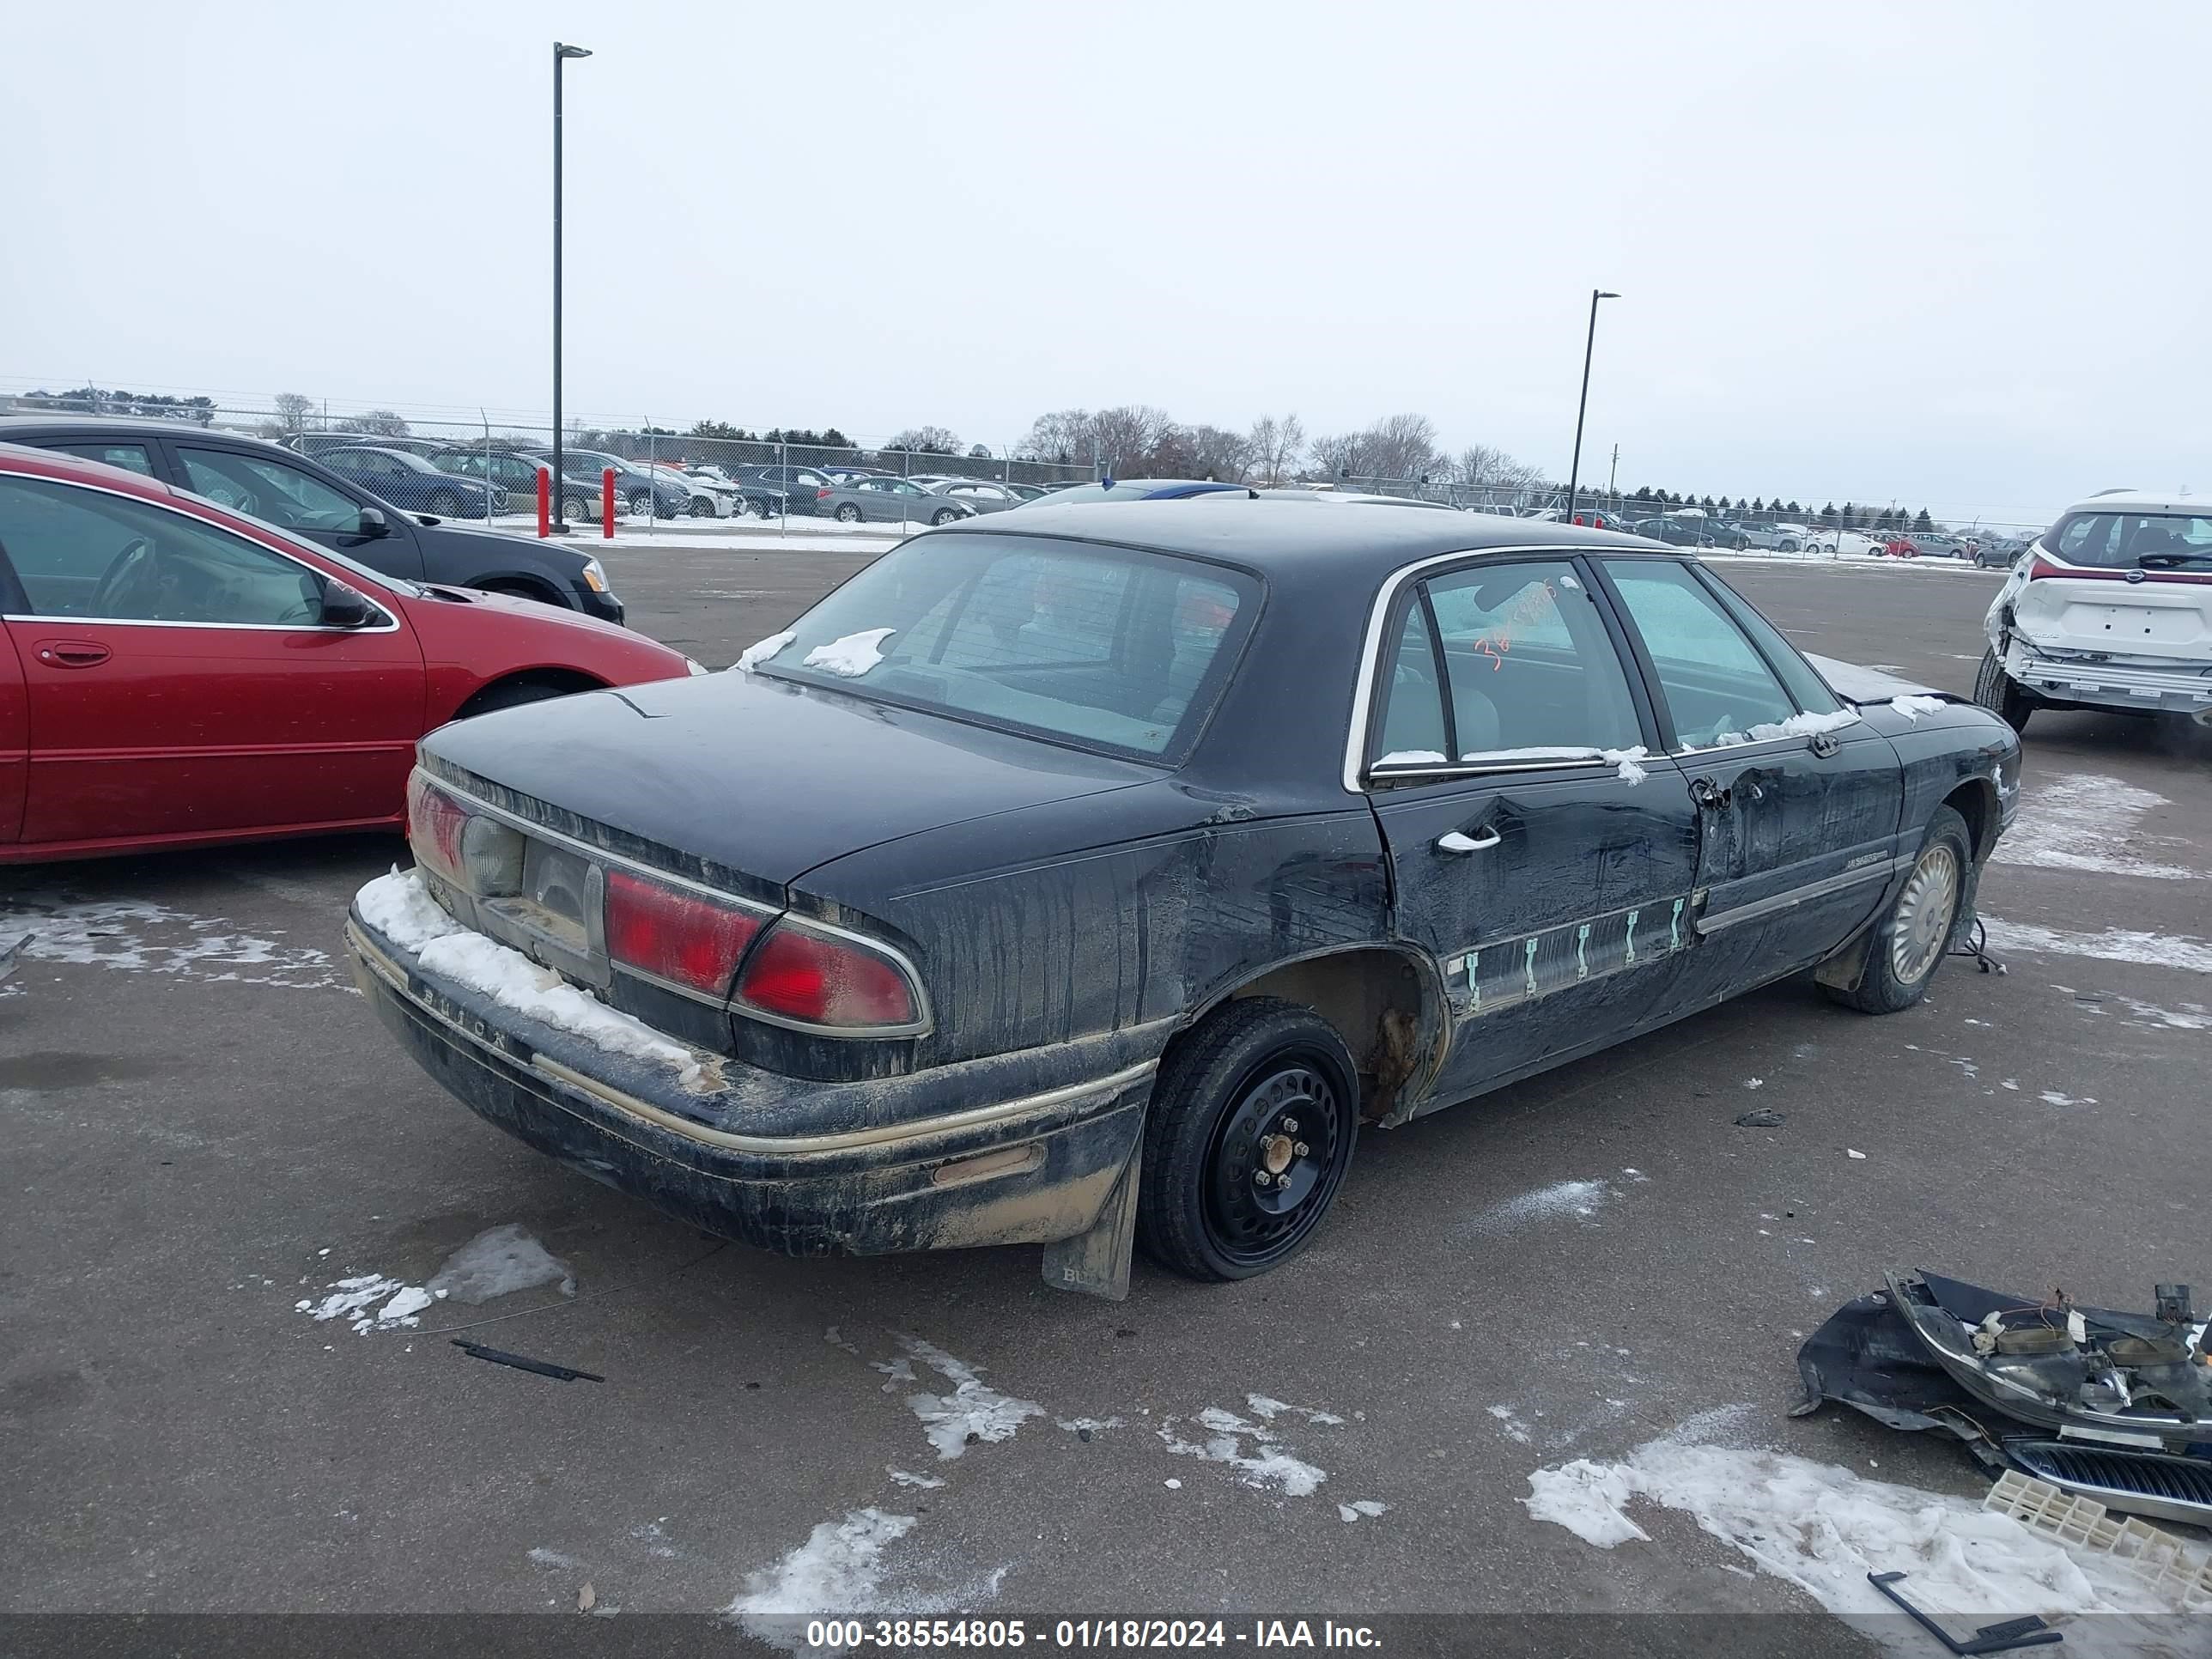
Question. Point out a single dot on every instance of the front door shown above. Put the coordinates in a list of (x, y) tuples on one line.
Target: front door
[(264, 487), (1798, 800), (1536, 851), (180, 681)]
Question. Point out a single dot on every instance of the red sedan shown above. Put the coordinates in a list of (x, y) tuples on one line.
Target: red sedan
[(174, 675)]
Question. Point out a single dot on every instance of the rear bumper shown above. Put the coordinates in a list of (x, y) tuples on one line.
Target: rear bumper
[(2117, 685), (1030, 1169)]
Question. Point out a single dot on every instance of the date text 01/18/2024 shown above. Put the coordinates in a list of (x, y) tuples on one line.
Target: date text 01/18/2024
[(1082, 1634)]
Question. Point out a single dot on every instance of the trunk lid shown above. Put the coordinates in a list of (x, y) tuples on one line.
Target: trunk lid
[(2165, 615), (747, 782)]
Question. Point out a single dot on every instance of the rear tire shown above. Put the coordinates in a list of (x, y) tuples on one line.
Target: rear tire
[(1260, 1089), (847, 514), (1916, 932), (947, 516), (445, 504), (1998, 692), (572, 510)]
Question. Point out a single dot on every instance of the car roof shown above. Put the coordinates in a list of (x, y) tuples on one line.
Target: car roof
[(1288, 538), (2138, 500), (105, 426)]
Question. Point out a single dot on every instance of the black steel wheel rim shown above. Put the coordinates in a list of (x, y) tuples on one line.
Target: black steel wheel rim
[(1274, 1159)]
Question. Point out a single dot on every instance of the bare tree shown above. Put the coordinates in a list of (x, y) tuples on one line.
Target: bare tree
[(1277, 446), (1212, 452), (1064, 436), (292, 411), (1133, 439), (927, 440), (1400, 447), (376, 423)]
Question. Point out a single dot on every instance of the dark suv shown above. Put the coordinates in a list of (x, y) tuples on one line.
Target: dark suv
[(289, 490)]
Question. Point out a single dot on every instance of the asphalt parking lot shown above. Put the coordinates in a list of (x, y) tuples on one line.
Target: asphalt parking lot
[(207, 1127)]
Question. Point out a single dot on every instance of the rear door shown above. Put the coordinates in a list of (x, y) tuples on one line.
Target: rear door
[(1798, 800), (323, 509), (15, 721), (178, 679), (1535, 852)]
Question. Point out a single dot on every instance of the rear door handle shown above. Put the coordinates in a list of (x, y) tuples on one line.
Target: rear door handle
[(1453, 842), (72, 653)]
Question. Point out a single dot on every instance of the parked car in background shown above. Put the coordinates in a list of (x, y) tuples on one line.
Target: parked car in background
[(710, 499), (1027, 492), (1675, 533), (1046, 989), (1940, 544), (1140, 489), (306, 498), (803, 487), (1842, 544), (182, 675), (316, 443), (1897, 545), (517, 474), (2111, 608), (1734, 538), (845, 475), (1773, 538), (638, 490), (1998, 551), (983, 495), (891, 501), (412, 483), (1793, 538)]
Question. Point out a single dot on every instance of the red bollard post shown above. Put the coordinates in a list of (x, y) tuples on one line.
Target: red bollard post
[(546, 501), (607, 502)]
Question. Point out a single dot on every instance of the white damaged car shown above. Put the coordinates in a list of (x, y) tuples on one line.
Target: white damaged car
[(2110, 608)]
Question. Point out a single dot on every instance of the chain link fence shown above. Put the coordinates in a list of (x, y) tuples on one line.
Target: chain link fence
[(663, 478)]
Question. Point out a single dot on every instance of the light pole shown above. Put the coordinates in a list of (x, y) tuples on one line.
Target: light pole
[(1574, 471), (561, 55)]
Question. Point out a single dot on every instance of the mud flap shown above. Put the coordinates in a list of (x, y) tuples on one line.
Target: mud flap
[(1843, 970), (1097, 1262)]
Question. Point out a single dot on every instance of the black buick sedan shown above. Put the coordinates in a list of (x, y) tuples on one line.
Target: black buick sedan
[(1089, 879)]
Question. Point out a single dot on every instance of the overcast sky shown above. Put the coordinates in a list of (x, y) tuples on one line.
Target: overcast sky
[(1949, 254)]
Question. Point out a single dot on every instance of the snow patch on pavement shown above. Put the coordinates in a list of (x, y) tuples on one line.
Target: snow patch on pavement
[(495, 1262), (499, 1261), (2112, 945), (1268, 1463), (141, 937), (1823, 1529), (972, 1412), (1581, 1198), (838, 1568), (1361, 1506), (2084, 822)]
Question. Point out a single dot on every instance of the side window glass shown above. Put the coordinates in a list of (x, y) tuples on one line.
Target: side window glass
[(1532, 667), (1411, 731), (81, 553), (265, 488), (1809, 690), (1716, 686), (132, 457)]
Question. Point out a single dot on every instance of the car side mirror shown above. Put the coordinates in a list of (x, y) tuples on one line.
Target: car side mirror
[(344, 607), (373, 522)]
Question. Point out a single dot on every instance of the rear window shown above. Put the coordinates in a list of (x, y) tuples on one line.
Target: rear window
[(2119, 540), (1106, 648)]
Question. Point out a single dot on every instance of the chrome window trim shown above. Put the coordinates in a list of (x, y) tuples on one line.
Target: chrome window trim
[(1363, 696), (390, 625), (1475, 768), (924, 1022), (382, 600)]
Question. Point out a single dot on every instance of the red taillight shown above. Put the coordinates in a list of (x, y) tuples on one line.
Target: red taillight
[(2041, 567), (435, 822), (814, 980), (675, 936), (819, 494)]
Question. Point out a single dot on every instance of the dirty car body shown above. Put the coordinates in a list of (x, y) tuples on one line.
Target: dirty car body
[(1072, 877)]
